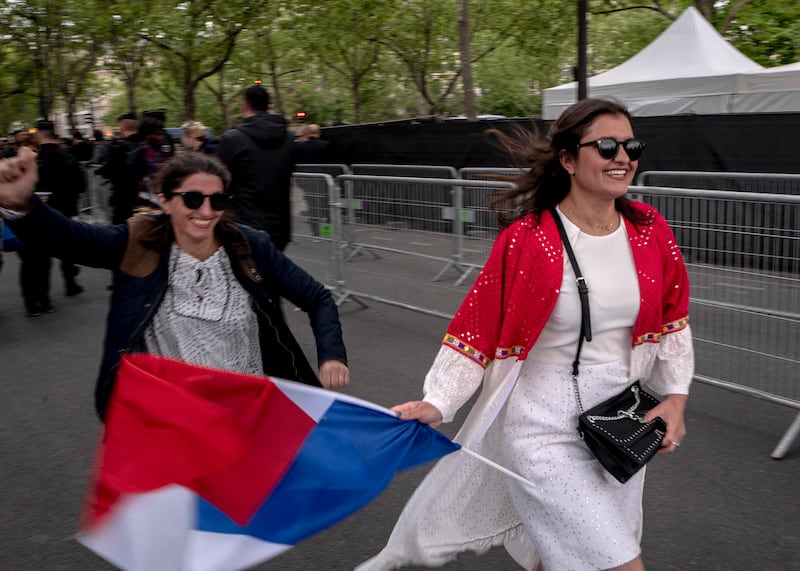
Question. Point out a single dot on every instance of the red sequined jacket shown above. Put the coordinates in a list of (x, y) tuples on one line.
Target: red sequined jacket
[(512, 298)]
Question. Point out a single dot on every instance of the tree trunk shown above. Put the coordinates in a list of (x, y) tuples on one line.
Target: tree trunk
[(130, 88), (188, 91), (224, 104), (706, 8)]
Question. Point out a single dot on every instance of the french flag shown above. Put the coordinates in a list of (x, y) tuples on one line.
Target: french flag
[(204, 470)]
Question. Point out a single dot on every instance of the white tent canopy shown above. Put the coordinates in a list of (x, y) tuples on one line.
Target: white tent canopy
[(772, 90), (689, 68)]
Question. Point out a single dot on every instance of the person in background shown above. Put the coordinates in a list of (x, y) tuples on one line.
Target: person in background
[(160, 115), (146, 159), (116, 169), (16, 137), (27, 140), (62, 177), (188, 283), (66, 143), (300, 133), (81, 148), (99, 148), (194, 137), (34, 267), (260, 153), (523, 316), (313, 150)]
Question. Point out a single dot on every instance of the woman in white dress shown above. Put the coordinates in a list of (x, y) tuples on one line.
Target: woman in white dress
[(516, 335)]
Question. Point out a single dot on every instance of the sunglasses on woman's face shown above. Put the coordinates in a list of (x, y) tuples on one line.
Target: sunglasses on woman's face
[(608, 147), (194, 199)]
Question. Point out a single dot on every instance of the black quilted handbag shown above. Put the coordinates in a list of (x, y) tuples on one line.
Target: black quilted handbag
[(616, 433), (614, 430)]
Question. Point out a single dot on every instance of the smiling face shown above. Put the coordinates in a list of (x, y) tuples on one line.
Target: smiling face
[(593, 177), (194, 229)]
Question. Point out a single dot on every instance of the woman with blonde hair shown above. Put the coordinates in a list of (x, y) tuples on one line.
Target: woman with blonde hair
[(194, 137)]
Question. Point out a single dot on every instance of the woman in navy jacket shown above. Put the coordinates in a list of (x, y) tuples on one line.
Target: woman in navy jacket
[(188, 284)]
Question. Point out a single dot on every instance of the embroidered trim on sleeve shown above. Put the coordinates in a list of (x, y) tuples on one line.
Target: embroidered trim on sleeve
[(455, 343), (665, 329), (479, 357)]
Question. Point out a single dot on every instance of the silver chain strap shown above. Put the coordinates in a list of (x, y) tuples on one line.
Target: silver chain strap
[(577, 394)]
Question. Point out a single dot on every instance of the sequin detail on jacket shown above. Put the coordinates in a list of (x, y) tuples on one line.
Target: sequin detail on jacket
[(505, 310)]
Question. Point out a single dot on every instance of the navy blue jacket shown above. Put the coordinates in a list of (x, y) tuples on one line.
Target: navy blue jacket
[(138, 252)]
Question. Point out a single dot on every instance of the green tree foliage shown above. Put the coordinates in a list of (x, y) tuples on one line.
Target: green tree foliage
[(196, 38), (59, 39), (351, 61), (18, 86), (767, 31), (338, 39), (127, 54)]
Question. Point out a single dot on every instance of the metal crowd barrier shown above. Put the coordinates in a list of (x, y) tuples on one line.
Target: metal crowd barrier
[(743, 255), (93, 205), (774, 183), (422, 171), (380, 209), (481, 220), (385, 245), (332, 169), (317, 227)]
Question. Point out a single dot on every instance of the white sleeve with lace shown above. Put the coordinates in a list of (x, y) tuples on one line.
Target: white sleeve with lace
[(673, 366), (451, 381)]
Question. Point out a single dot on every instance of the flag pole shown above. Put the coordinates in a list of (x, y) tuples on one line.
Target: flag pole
[(496, 466)]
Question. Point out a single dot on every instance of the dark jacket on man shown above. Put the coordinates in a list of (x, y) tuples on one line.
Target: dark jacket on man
[(60, 174), (115, 170), (261, 154)]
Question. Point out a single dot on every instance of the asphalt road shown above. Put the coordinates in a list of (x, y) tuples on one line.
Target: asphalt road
[(721, 503)]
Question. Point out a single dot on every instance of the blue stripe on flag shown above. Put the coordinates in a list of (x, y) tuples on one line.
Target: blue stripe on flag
[(347, 460)]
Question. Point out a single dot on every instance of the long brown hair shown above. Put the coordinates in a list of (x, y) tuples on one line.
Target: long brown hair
[(543, 182)]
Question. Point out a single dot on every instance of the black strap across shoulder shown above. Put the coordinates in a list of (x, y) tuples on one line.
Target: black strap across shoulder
[(583, 291)]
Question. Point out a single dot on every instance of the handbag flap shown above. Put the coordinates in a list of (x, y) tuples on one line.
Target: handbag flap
[(619, 420)]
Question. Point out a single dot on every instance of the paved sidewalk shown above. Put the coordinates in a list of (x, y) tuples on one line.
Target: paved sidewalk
[(721, 503)]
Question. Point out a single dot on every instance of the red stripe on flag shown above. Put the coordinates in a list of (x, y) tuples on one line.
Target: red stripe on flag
[(228, 436)]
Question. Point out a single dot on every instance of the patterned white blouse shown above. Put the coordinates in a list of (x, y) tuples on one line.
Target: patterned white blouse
[(206, 317)]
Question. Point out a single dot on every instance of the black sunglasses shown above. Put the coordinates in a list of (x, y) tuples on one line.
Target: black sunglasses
[(193, 199), (608, 147)]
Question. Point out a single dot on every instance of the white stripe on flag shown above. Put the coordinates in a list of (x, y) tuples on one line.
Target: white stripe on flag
[(208, 551), (315, 401), (145, 532)]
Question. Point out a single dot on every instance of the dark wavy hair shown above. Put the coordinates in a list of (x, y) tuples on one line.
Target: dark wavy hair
[(177, 169), (544, 182)]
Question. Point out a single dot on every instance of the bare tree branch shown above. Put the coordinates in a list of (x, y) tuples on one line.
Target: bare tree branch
[(657, 8)]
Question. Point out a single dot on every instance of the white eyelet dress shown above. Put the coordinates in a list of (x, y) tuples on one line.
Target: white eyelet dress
[(577, 515)]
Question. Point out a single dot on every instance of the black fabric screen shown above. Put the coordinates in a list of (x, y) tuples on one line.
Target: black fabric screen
[(768, 142)]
